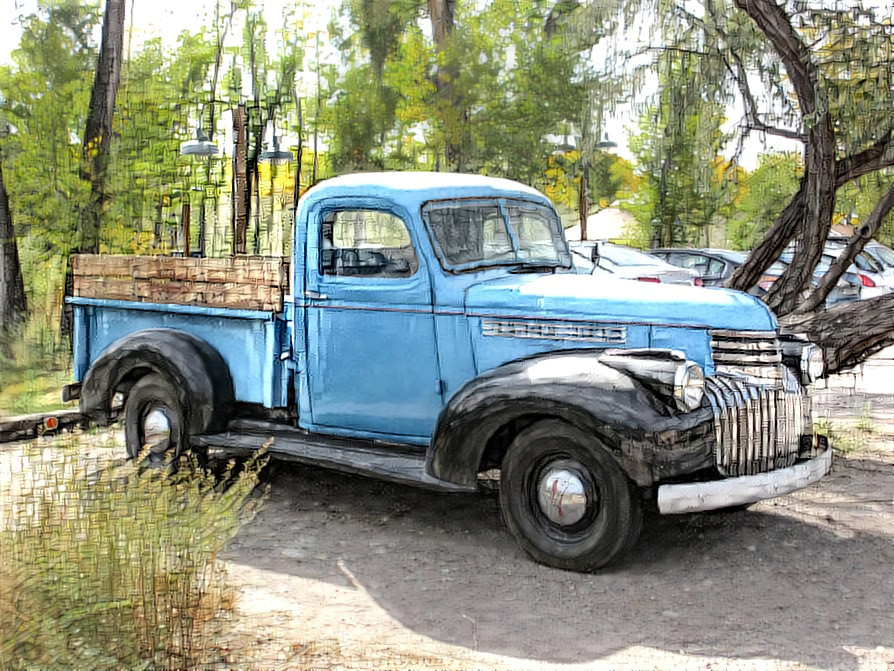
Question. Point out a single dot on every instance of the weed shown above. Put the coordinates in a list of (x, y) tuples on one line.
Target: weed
[(111, 566)]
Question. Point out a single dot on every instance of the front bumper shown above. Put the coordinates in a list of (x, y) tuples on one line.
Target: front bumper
[(692, 497)]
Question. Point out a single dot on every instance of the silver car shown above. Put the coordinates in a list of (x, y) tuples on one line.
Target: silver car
[(628, 263)]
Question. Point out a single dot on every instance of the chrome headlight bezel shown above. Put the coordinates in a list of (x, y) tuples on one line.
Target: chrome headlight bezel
[(689, 385), (667, 373), (812, 364)]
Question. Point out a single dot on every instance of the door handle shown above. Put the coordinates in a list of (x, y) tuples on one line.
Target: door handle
[(309, 293)]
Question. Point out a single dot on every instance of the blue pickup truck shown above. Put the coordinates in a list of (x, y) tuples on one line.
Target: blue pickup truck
[(435, 331)]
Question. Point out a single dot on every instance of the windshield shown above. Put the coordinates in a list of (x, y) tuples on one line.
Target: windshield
[(470, 234), (884, 254)]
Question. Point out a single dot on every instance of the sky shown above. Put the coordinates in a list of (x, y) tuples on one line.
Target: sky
[(146, 19)]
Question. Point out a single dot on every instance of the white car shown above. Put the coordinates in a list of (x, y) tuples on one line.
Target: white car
[(875, 265), (628, 263)]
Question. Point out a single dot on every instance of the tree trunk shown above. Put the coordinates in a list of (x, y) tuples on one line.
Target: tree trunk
[(12, 289), (442, 25), (848, 333), (98, 134), (820, 172), (241, 191), (780, 234)]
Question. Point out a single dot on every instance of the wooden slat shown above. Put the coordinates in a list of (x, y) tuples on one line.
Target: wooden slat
[(246, 282)]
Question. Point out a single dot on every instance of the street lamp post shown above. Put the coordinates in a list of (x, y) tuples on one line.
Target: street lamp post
[(203, 148)]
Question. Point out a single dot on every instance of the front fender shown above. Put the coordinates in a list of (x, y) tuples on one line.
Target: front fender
[(649, 437)]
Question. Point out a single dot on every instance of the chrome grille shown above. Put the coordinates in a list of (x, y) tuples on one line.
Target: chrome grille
[(757, 427), (545, 330), (755, 354)]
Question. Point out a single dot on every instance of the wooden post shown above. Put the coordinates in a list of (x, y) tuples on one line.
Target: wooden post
[(185, 225), (241, 195)]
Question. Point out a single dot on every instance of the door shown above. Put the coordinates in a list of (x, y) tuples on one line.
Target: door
[(372, 356)]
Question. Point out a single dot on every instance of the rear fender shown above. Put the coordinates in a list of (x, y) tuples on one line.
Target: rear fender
[(194, 368)]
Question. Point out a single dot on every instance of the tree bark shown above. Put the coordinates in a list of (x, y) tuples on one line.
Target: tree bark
[(12, 288), (98, 133), (786, 292), (848, 333)]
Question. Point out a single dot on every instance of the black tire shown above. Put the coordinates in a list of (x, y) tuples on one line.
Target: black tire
[(153, 399), (603, 521)]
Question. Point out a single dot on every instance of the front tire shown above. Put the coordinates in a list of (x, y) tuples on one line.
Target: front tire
[(154, 422), (565, 498)]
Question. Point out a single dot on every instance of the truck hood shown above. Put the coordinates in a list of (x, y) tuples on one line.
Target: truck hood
[(573, 296)]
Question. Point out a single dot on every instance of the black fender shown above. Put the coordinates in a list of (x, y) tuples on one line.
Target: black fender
[(194, 368), (649, 437)]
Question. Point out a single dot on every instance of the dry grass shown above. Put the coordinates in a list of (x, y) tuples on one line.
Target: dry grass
[(105, 566)]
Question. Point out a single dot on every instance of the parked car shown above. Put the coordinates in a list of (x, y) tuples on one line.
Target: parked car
[(874, 265), (850, 286), (629, 263), (718, 265)]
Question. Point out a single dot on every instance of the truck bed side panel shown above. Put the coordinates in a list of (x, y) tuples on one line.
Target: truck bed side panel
[(249, 341)]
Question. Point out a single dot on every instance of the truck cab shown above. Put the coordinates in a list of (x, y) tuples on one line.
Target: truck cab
[(434, 330)]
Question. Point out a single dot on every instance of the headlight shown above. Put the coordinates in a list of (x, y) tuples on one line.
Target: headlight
[(689, 385), (665, 372), (813, 364)]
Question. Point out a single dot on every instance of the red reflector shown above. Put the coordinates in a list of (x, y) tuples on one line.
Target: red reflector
[(698, 282), (648, 279), (866, 281), (51, 423)]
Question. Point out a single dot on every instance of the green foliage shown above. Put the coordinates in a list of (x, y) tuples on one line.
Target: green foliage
[(766, 193), (105, 567), (686, 185)]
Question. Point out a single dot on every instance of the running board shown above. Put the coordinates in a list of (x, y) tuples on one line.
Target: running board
[(393, 463)]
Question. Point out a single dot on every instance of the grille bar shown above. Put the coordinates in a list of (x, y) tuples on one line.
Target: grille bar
[(755, 354), (757, 427)]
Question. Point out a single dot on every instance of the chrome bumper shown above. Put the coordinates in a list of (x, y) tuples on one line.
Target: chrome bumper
[(692, 497)]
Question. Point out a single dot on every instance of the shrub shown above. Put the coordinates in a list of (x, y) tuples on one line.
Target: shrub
[(113, 567)]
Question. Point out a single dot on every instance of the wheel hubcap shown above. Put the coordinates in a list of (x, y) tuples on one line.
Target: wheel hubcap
[(562, 495), (156, 429)]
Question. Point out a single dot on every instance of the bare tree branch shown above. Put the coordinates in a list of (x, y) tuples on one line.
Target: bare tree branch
[(775, 24), (878, 156), (854, 246)]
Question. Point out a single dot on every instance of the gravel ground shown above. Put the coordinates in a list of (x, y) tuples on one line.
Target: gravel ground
[(391, 577)]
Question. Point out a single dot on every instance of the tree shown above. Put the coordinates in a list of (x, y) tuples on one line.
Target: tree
[(98, 133), (12, 288), (838, 67)]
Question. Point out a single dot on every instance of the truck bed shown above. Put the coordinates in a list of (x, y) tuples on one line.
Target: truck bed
[(235, 304)]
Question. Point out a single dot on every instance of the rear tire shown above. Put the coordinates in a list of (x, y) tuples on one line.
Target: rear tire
[(566, 500), (154, 422)]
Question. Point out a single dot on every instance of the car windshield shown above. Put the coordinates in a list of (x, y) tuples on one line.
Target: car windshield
[(883, 254), (471, 234)]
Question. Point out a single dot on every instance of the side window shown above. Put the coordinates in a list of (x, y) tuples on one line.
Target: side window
[(366, 243), (714, 269)]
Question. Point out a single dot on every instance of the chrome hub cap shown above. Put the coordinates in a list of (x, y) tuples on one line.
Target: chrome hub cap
[(156, 429), (561, 495)]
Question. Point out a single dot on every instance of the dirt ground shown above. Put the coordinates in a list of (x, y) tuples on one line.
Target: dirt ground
[(339, 572), (384, 576)]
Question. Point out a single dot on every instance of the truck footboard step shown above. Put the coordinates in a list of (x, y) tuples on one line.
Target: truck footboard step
[(355, 457)]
